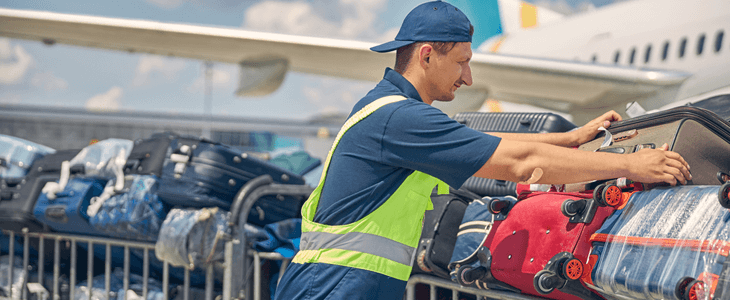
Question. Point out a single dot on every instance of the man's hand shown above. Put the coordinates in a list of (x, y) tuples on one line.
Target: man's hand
[(589, 131), (659, 165)]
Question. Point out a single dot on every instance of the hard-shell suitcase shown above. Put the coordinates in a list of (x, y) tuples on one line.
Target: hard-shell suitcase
[(440, 227), (700, 136), (508, 122), (540, 246), (17, 155), (19, 196), (666, 243)]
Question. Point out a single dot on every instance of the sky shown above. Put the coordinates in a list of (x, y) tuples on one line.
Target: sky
[(75, 77)]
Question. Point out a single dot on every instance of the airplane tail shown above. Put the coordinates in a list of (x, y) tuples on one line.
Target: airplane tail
[(495, 18)]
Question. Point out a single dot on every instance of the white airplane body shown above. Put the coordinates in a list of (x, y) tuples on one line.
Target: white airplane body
[(548, 65)]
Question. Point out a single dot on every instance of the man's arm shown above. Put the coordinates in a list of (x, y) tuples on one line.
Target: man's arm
[(565, 139), (518, 161)]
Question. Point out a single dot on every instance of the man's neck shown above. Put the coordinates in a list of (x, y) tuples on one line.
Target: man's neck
[(417, 82)]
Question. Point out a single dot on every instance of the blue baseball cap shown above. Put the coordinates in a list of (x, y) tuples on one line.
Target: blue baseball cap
[(435, 21)]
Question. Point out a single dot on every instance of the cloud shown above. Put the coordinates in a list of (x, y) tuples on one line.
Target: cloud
[(167, 4), (109, 101), (48, 81), (151, 65), (350, 19), (14, 62), (222, 77)]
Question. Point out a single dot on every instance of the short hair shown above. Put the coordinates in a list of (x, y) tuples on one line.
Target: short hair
[(403, 54)]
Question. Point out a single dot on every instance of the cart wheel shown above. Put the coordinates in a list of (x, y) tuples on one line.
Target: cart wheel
[(680, 291), (545, 282), (572, 269), (612, 195), (598, 194), (724, 195), (460, 276), (421, 261), (695, 291)]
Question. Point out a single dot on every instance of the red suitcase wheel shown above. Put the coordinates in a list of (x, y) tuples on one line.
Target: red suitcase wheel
[(573, 269), (696, 290), (681, 290), (612, 195)]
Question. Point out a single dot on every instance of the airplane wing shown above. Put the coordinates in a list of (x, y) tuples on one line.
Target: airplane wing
[(266, 57)]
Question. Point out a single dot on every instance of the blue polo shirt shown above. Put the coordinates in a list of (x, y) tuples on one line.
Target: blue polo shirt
[(370, 162)]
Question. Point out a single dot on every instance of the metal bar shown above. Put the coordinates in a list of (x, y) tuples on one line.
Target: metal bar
[(126, 271), (41, 263), (454, 294), (227, 271), (146, 274), (165, 279), (282, 269), (256, 276), (443, 283), (432, 292), (26, 253), (209, 281), (108, 272), (90, 268), (186, 285), (56, 268), (98, 240), (11, 264), (72, 272)]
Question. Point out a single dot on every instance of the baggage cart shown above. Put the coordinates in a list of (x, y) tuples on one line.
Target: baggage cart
[(238, 276)]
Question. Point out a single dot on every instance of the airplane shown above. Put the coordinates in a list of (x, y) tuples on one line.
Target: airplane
[(581, 64)]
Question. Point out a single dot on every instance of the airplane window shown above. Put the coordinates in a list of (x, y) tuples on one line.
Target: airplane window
[(700, 44), (682, 45), (631, 56), (648, 53), (665, 51), (718, 40), (616, 57)]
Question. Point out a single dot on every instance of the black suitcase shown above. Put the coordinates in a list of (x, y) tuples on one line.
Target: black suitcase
[(699, 135), (19, 196), (438, 235), (508, 122)]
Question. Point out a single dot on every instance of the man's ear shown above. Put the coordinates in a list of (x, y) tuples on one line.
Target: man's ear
[(424, 54)]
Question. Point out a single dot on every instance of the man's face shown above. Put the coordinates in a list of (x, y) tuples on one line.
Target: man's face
[(449, 72)]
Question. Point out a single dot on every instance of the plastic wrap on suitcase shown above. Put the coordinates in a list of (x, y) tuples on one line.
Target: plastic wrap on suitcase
[(20, 277), (508, 122), (475, 227), (102, 158), (135, 214), (19, 196), (438, 236), (667, 243), (17, 155), (68, 211), (200, 173), (116, 288), (192, 237)]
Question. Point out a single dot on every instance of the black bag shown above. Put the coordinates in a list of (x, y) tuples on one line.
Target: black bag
[(440, 227), (19, 196), (508, 122)]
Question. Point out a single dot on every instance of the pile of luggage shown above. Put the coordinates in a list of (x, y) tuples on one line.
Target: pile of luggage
[(614, 239), (172, 190)]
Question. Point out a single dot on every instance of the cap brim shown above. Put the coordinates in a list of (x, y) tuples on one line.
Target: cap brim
[(390, 46)]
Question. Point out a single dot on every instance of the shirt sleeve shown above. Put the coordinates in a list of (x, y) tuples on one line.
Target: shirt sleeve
[(421, 137)]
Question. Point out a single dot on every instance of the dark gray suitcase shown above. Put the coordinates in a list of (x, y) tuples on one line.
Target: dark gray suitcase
[(508, 122), (699, 135)]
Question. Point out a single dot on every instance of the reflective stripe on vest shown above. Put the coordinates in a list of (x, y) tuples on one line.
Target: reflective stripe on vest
[(383, 241)]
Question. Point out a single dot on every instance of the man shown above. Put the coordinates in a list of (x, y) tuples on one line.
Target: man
[(361, 225)]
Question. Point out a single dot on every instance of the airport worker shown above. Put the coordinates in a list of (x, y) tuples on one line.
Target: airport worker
[(361, 225)]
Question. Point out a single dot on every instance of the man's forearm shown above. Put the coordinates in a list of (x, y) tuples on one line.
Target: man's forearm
[(563, 139)]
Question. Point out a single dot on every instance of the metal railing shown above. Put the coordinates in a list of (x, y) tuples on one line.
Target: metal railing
[(435, 283)]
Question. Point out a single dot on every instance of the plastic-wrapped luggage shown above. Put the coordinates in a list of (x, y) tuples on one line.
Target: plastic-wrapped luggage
[(66, 211), (20, 277), (508, 122), (17, 155), (192, 237), (667, 243), (136, 213)]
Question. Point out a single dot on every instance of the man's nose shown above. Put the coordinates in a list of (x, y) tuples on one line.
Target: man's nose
[(466, 75)]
